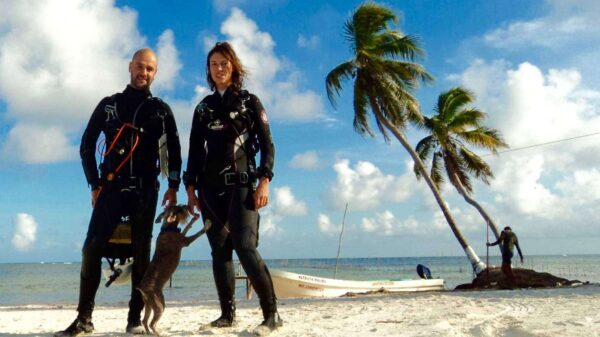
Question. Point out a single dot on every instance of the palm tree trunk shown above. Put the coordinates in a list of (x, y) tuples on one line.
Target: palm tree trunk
[(478, 265), (461, 190)]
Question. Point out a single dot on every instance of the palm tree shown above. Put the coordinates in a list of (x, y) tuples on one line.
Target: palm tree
[(385, 75), (450, 131)]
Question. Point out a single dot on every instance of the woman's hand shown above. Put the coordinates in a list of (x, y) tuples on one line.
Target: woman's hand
[(95, 194), (193, 202), (261, 195)]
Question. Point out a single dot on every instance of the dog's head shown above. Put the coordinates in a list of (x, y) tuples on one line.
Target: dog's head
[(174, 215)]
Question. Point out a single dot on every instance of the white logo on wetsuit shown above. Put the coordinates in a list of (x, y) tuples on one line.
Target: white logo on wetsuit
[(216, 125), (111, 112)]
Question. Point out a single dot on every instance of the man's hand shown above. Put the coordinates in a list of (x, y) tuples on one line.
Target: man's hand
[(95, 194), (261, 195), (521, 260), (193, 202), (488, 244), (170, 198)]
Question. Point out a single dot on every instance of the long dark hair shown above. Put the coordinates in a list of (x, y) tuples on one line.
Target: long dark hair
[(238, 71)]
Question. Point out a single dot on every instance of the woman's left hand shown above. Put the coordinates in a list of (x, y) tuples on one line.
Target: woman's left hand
[(261, 195)]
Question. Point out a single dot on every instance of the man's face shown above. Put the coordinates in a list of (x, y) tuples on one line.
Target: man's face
[(143, 69)]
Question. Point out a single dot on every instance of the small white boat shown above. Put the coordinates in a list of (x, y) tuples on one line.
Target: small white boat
[(292, 285)]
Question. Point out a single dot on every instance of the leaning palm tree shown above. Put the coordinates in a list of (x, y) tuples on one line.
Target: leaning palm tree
[(385, 75), (451, 129)]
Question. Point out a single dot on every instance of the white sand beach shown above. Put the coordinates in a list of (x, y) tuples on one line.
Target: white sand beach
[(519, 313)]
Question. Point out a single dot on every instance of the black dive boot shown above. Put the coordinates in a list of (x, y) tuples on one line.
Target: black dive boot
[(80, 326), (227, 315), (272, 321)]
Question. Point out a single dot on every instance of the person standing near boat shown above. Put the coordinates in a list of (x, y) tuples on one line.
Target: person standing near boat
[(508, 240), (133, 122), (229, 128)]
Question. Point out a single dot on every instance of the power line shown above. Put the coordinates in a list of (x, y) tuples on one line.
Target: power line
[(542, 144)]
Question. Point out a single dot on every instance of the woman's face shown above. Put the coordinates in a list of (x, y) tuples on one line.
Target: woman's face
[(220, 70)]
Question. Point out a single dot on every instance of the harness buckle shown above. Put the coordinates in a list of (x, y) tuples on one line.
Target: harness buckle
[(229, 178), (233, 178)]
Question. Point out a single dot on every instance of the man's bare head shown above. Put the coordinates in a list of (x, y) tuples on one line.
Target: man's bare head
[(142, 68)]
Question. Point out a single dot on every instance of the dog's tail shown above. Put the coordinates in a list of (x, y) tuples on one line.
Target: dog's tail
[(141, 292)]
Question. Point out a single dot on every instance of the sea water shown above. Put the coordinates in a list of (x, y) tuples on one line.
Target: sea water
[(58, 283)]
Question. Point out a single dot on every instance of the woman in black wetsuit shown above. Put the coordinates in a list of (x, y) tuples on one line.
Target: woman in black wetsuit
[(229, 128)]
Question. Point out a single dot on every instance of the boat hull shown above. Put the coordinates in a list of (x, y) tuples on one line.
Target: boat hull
[(292, 285)]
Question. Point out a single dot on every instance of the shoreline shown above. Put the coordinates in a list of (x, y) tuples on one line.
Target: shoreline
[(572, 311)]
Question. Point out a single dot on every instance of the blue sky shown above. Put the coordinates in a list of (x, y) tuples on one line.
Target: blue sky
[(531, 64)]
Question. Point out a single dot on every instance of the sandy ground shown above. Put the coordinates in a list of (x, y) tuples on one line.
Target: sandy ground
[(516, 313)]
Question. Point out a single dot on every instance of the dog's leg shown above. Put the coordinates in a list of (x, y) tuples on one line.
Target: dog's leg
[(188, 240), (158, 310), (189, 225), (147, 310)]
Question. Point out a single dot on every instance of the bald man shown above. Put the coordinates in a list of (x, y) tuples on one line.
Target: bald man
[(125, 189)]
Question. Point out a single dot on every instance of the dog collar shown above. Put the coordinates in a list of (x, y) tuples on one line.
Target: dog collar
[(170, 229)]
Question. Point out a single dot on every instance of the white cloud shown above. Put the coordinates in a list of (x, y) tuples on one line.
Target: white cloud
[(309, 43), (24, 231), (268, 224), (225, 5), (325, 225), (532, 107), (270, 77), (305, 161), (34, 144), (285, 202), (568, 23), (387, 224), (566, 35), (168, 62), (58, 59), (365, 187)]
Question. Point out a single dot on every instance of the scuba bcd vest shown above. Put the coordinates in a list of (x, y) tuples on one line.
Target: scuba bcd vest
[(121, 138)]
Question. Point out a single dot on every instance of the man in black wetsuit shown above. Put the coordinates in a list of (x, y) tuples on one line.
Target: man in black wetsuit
[(508, 240), (133, 122)]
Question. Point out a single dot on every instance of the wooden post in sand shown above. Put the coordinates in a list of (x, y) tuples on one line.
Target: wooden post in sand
[(487, 254), (337, 258)]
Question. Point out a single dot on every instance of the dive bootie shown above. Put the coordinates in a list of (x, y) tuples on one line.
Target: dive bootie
[(135, 328), (79, 327), (271, 323), (227, 318)]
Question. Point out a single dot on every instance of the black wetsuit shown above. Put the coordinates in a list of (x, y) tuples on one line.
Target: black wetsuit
[(508, 240), (227, 132), (132, 191)]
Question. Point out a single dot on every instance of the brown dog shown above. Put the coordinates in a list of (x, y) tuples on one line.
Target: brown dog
[(167, 254)]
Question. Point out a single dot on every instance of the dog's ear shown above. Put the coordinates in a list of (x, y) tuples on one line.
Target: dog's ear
[(159, 218)]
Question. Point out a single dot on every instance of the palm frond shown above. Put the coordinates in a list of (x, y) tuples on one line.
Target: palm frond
[(437, 172), (464, 119), (361, 102), (368, 20), (333, 81), (394, 45), (456, 171), (484, 137), (452, 101), (423, 149), (475, 165)]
